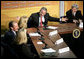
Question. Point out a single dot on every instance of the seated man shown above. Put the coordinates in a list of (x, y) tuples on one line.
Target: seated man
[(8, 40), (74, 15), (41, 18), (11, 34)]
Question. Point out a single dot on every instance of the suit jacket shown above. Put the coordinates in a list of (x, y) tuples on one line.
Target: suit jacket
[(9, 37), (70, 16), (34, 19)]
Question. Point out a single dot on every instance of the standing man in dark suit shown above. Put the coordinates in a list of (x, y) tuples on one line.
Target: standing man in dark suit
[(74, 15), (11, 34), (41, 18)]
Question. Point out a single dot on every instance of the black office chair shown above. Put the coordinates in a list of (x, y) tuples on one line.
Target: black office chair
[(7, 51)]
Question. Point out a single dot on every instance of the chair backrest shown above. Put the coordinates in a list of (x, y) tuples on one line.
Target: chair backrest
[(2, 51), (6, 48)]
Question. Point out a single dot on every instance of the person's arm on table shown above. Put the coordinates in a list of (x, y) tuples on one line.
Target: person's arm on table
[(56, 19)]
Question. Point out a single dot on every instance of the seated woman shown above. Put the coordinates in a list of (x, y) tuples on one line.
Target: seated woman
[(23, 24), (21, 39), (74, 15)]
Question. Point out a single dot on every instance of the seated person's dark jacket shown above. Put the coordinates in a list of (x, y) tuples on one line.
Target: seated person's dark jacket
[(70, 16), (34, 19), (9, 37)]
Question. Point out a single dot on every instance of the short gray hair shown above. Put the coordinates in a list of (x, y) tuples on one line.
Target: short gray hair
[(43, 8), (75, 6)]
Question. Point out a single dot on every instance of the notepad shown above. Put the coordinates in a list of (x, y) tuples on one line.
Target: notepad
[(34, 34), (39, 43), (81, 25), (62, 50), (52, 27), (59, 41), (49, 50), (53, 33)]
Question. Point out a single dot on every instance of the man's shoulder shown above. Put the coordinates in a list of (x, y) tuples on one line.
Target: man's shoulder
[(47, 14), (79, 11), (69, 11), (8, 33), (35, 13)]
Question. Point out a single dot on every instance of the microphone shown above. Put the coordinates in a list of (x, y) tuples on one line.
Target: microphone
[(38, 31), (45, 27), (41, 38), (46, 45)]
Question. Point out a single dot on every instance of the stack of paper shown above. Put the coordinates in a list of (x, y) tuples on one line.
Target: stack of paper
[(34, 34), (39, 43), (59, 41), (81, 25), (64, 50), (53, 33), (49, 50), (52, 27)]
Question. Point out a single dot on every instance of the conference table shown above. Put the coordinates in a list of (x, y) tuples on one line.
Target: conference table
[(50, 40)]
